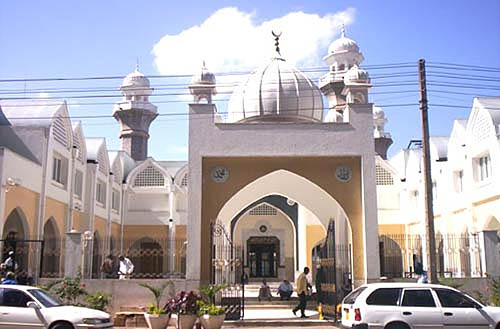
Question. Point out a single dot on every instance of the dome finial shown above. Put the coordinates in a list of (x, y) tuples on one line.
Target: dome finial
[(277, 41), (137, 64), (343, 30)]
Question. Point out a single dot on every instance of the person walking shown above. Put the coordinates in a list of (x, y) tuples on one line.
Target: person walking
[(126, 268), (302, 286)]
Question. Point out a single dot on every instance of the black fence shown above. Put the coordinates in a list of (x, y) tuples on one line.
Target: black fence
[(458, 255)]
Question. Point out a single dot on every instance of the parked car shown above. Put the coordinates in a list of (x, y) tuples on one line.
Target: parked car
[(30, 307), (415, 306)]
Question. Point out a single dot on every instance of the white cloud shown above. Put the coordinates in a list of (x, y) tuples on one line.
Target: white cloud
[(231, 40)]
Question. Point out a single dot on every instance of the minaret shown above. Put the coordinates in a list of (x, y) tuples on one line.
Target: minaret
[(202, 85), (383, 139), (135, 113), (343, 54)]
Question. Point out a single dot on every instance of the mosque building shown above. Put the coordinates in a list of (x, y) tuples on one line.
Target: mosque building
[(278, 176)]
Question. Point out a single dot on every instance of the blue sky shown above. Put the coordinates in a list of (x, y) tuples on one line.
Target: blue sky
[(105, 38)]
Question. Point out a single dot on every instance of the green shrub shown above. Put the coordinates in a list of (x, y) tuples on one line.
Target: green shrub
[(494, 285), (450, 282), (99, 300)]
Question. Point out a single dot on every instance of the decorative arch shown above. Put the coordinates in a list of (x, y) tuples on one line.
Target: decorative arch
[(289, 185), (480, 125), (15, 230), (51, 249), (143, 166), (103, 159), (147, 255), (117, 171)]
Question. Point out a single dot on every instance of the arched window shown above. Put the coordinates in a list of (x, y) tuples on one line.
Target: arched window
[(382, 176), (149, 177), (184, 181)]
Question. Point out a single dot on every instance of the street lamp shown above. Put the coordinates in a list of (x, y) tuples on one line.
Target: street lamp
[(87, 237)]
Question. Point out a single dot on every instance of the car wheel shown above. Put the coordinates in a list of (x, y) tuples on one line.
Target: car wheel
[(62, 325), (397, 325)]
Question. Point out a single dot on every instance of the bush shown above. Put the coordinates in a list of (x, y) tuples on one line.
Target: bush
[(450, 283), (184, 303), (99, 301), (494, 285)]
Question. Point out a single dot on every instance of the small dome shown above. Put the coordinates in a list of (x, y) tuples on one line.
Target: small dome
[(356, 75), (135, 79), (276, 92), (343, 44), (204, 77)]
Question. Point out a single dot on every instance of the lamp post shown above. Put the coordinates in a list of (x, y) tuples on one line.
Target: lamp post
[(87, 237)]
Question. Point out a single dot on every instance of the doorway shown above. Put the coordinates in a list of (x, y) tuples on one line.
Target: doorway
[(263, 256)]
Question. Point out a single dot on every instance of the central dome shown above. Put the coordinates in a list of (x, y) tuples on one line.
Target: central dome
[(276, 92)]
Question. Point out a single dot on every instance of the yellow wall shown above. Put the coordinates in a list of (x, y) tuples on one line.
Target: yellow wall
[(58, 211), (244, 170), (27, 201), (391, 229), (314, 234)]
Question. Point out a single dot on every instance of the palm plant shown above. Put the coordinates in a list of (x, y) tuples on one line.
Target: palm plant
[(157, 292)]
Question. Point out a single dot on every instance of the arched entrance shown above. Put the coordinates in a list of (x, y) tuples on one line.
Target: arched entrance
[(263, 254), (147, 256), (51, 250), (15, 232)]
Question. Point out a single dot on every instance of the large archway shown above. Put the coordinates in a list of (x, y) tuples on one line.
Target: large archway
[(51, 250), (316, 209), (147, 256)]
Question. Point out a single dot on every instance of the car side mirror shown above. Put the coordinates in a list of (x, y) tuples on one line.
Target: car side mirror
[(33, 305)]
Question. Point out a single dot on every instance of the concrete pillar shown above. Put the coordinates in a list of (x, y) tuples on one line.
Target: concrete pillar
[(73, 254), (301, 223), (488, 240)]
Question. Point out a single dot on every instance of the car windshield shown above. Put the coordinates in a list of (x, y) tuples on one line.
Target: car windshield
[(351, 298), (45, 298)]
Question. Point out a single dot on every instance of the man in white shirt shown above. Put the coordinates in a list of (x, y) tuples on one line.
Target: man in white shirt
[(126, 268)]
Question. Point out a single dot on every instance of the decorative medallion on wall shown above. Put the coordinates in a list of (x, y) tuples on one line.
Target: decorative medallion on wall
[(343, 173), (263, 228), (219, 174)]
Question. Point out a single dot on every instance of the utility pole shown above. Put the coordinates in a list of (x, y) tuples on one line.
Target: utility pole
[(429, 212)]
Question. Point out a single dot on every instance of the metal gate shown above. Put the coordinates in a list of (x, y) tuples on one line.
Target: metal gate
[(329, 273), (24, 253), (227, 269)]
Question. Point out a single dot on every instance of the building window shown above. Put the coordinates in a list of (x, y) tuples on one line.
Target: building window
[(78, 187), (100, 192), (483, 168), (115, 200), (57, 170), (459, 181)]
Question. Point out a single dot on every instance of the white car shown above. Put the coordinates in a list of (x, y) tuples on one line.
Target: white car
[(30, 307), (415, 306)]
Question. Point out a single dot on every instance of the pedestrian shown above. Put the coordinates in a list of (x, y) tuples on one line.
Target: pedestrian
[(126, 268), (285, 290), (10, 263), (319, 280), (264, 291), (10, 278), (244, 278), (302, 287), (107, 267)]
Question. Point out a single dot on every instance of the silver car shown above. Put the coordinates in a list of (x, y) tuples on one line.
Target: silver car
[(30, 307), (415, 306)]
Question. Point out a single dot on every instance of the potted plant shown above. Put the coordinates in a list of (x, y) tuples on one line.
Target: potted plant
[(186, 305), (155, 316), (211, 315)]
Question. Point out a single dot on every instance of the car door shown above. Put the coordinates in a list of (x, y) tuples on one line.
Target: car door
[(460, 311), (419, 309), (13, 310)]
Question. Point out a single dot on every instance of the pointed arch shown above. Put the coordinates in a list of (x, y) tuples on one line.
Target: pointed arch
[(79, 142), (16, 225), (117, 171), (51, 249), (290, 185), (181, 179), (61, 129), (147, 255), (155, 168), (491, 224)]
